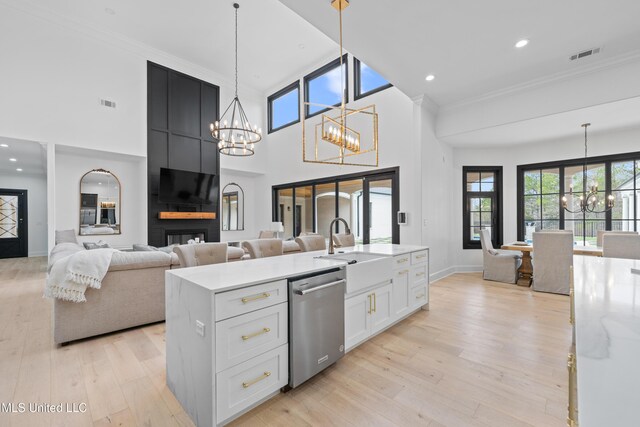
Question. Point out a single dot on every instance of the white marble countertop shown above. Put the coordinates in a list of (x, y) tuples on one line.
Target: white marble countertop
[(607, 298), (231, 275)]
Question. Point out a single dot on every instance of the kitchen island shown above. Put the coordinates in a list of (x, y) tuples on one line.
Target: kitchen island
[(604, 373), (226, 324)]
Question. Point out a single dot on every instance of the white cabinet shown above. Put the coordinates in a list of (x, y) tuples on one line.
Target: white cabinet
[(401, 292), (367, 313)]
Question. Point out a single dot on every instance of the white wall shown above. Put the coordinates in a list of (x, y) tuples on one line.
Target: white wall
[(600, 143), (36, 186), (72, 163)]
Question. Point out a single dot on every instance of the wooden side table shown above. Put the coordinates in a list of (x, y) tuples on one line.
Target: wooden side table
[(526, 268)]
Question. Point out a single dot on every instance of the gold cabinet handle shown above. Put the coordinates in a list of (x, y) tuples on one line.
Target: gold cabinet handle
[(260, 378), (421, 273), (375, 302), (256, 297), (255, 334), (421, 256), (403, 272), (403, 260), (419, 296), (369, 296), (572, 407)]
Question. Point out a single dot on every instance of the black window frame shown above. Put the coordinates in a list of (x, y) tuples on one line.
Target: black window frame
[(284, 91), (607, 160), (392, 173), (319, 72), (357, 80), (467, 243)]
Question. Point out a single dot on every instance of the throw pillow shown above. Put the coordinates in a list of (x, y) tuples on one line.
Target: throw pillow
[(138, 247), (167, 249), (100, 244), (66, 236)]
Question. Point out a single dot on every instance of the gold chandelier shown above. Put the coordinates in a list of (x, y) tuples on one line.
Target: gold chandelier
[(233, 132), (341, 135)]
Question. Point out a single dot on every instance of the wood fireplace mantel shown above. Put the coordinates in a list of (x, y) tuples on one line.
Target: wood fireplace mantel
[(186, 215)]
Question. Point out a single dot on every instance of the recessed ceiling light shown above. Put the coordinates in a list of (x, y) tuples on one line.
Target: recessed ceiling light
[(109, 11), (4, 145), (99, 183), (13, 160), (522, 43), (301, 46), (430, 77), (19, 169)]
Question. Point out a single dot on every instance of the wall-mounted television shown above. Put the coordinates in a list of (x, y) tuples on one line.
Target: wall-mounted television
[(186, 188)]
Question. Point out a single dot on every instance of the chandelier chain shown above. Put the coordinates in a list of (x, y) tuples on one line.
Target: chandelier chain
[(237, 6)]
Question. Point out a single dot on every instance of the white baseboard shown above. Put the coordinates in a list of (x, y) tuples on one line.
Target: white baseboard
[(468, 268), (36, 254), (454, 269)]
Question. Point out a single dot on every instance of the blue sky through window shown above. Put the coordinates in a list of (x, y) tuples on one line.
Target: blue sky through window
[(285, 109), (369, 79), (326, 89)]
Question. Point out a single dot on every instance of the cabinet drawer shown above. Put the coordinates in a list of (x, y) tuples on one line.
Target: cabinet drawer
[(241, 386), (242, 337), (401, 261), (419, 296), (419, 257), (418, 274), (240, 301)]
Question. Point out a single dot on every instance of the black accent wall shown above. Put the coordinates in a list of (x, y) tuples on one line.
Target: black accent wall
[(179, 111)]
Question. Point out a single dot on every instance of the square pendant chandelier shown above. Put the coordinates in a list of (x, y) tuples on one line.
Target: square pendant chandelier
[(340, 135)]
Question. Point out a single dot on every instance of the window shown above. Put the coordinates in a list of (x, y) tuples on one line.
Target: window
[(367, 81), (541, 187), (284, 107), (323, 87), (482, 204), (318, 202)]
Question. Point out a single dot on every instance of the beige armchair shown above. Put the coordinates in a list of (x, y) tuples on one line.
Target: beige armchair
[(621, 246), (499, 265), (601, 233), (263, 248), (201, 254), (311, 243), (343, 240), (553, 258)]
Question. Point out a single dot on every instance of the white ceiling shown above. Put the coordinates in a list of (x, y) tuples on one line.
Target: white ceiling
[(30, 156), (274, 43), (469, 45)]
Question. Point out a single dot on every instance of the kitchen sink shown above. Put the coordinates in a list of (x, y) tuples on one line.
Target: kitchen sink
[(364, 270)]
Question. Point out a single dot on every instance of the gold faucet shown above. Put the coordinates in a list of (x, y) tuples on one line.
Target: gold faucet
[(346, 229)]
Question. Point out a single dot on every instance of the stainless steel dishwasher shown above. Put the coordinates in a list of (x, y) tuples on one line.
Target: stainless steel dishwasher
[(316, 323)]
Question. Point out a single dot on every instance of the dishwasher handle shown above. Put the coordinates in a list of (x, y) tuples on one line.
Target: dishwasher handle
[(318, 288)]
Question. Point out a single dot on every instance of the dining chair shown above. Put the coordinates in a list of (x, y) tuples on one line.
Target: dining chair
[(311, 243), (498, 265), (553, 260), (344, 240), (621, 246), (601, 233), (201, 254), (263, 248)]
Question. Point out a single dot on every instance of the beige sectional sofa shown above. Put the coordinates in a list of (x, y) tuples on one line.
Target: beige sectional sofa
[(132, 294)]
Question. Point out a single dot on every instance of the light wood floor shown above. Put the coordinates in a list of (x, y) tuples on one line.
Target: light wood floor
[(487, 354)]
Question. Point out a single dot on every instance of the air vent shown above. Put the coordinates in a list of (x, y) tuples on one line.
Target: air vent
[(584, 54), (107, 103)]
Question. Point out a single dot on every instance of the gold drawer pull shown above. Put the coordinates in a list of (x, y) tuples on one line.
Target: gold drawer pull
[(403, 272), (260, 378), (419, 296), (375, 303), (402, 260), (422, 273), (370, 306), (256, 297), (255, 334), (421, 256), (571, 362)]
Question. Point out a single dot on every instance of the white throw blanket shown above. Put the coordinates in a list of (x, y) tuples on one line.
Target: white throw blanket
[(70, 276)]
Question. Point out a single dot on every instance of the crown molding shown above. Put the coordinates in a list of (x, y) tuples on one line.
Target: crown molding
[(614, 62), (119, 41), (428, 103)]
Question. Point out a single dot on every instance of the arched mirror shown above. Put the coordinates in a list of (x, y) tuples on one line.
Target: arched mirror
[(232, 207), (100, 203)]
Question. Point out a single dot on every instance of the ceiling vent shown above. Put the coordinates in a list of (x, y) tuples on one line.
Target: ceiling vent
[(107, 103), (584, 53)]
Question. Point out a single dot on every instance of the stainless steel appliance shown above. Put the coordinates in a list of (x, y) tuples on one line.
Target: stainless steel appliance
[(316, 323)]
